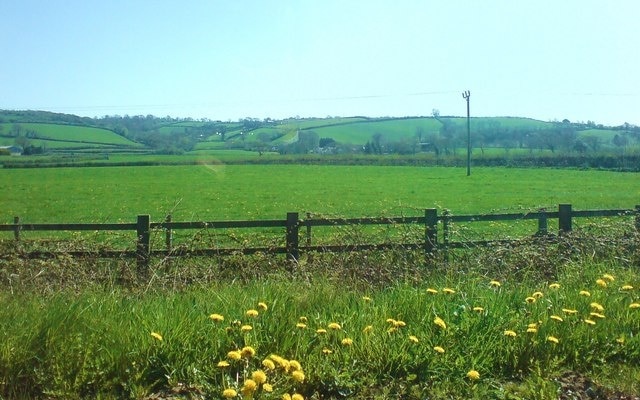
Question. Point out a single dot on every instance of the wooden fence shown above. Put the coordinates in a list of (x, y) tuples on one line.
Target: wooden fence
[(430, 243)]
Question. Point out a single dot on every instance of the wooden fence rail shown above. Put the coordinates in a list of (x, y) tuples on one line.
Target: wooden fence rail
[(292, 224)]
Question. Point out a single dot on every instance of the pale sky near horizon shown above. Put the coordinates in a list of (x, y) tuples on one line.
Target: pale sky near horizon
[(225, 60)]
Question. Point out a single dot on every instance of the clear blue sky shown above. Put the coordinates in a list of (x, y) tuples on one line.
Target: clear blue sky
[(544, 59)]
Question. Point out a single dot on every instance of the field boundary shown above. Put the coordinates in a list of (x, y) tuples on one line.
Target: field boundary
[(435, 239)]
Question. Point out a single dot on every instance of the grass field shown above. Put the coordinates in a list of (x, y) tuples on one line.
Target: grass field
[(74, 133)]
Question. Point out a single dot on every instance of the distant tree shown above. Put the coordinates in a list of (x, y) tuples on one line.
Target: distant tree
[(620, 141), (326, 142)]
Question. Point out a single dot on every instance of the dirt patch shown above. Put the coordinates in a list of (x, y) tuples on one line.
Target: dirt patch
[(575, 386)]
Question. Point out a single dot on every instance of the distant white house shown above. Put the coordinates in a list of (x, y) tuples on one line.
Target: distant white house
[(13, 150)]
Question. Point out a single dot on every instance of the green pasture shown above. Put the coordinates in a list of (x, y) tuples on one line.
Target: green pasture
[(74, 133), (362, 132), (215, 191)]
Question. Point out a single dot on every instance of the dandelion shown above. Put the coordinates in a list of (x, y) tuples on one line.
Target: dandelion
[(301, 325), (553, 339), (392, 329), (295, 365), (473, 375), (391, 321), (448, 290), (601, 283), (366, 299), (326, 351), (249, 387), (569, 311), (286, 396), (440, 322), (297, 396), (532, 330), (248, 352), (283, 363), (510, 333), (439, 349), (608, 277), (597, 315), (246, 328), (530, 300), (223, 364), (216, 317), (298, 376), (156, 336), (321, 331), (537, 295), (268, 364), (584, 293), (413, 339), (478, 309), (303, 320), (597, 307), (229, 393), (367, 329), (263, 306), (399, 324), (554, 286), (532, 325), (259, 376), (556, 318), (620, 340), (335, 326), (432, 291), (494, 284), (626, 287), (347, 342), (590, 321), (234, 355), (252, 313), (634, 305)]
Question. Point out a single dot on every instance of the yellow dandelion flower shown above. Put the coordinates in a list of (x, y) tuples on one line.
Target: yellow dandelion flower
[(532, 325), (286, 396), (597, 307), (584, 293), (259, 376), (216, 317), (494, 284), (295, 365), (391, 321), (156, 336), (229, 393), (554, 286), (510, 333), (347, 342), (303, 320), (530, 299), (246, 328), (601, 283), (301, 325), (326, 351), (234, 355), (626, 287), (448, 290), (298, 376), (267, 387), (321, 331), (432, 291), (608, 277), (249, 385), (335, 326), (223, 364), (248, 351), (392, 329), (532, 330), (263, 306), (569, 311), (590, 321), (556, 318), (366, 298), (367, 329), (537, 295), (399, 324), (413, 339), (282, 362), (268, 364), (252, 313), (439, 349), (553, 339), (597, 315), (620, 340), (634, 305), (440, 322), (478, 309), (473, 375), (297, 396)]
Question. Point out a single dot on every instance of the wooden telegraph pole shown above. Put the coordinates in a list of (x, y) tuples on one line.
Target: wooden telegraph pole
[(466, 95)]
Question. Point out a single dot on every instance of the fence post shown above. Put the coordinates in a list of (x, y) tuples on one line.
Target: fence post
[(168, 239), (292, 236), (564, 218), (143, 228), (308, 229), (16, 229), (542, 223), (445, 234), (638, 218), (430, 230)]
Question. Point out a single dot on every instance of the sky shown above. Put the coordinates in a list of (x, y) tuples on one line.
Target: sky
[(231, 59)]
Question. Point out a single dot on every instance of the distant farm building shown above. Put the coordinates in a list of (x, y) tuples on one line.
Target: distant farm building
[(11, 150)]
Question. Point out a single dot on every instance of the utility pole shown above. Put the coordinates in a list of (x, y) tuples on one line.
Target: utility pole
[(466, 95)]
